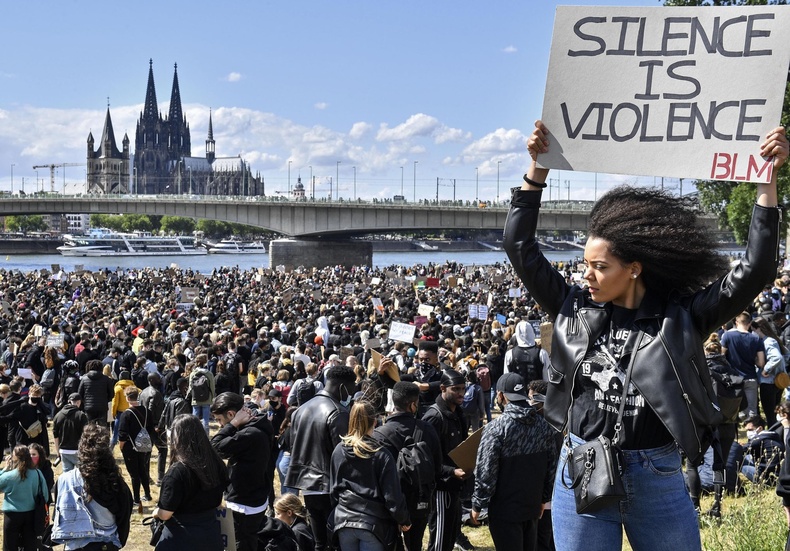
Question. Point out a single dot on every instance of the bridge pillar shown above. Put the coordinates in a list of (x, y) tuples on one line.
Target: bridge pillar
[(293, 253)]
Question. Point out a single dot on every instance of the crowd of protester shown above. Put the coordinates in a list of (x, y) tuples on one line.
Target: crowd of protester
[(263, 372)]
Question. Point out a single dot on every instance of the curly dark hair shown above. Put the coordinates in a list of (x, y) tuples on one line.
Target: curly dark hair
[(190, 446), (659, 231), (97, 466)]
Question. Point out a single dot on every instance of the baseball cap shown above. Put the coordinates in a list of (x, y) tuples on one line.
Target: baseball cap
[(74, 396), (513, 387)]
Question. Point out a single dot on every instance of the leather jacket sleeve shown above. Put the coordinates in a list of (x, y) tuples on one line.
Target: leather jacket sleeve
[(545, 284)]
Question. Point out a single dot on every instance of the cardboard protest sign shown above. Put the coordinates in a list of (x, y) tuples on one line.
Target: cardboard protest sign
[(55, 341), (188, 294), (465, 454), (424, 309), (372, 343), (345, 352), (685, 92), (349, 288), (401, 332), (482, 311), (514, 292), (55, 268), (419, 320), (226, 528), (432, 282), (377, 305), (472, 311)]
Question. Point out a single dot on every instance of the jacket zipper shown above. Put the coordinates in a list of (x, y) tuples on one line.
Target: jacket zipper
[(573, 323), (579, 363), (778, 226), (683, 391)]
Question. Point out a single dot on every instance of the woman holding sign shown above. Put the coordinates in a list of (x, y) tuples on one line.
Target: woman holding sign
[(628, 382)]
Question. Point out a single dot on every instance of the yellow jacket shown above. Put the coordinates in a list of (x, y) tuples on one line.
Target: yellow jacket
[(119, 403)]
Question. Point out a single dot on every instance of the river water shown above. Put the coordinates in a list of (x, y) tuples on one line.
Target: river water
[(205, 264)]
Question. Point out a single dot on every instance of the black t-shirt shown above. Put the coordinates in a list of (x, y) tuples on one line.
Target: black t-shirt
[(601, 379), (181, 492)]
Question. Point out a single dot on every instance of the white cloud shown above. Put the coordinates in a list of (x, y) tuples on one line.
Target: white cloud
[(321, 105), (419, 125), (360, 130), (510, 49), (233, 77), (32, 136)]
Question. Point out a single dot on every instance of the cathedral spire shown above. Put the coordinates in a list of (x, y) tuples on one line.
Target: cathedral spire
[(176, 115), (151, 109), (210, 146)]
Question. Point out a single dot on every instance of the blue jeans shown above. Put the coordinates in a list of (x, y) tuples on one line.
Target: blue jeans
[(115, 423), (657, 513), (353, 539), (203, 413), (283, 462), (69, 460)]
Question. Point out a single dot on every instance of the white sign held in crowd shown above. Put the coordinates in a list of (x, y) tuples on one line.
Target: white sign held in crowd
[(402, 332), (684, 92)]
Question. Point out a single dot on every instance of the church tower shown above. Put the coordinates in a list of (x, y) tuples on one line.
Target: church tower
[(108, 168), (210, 145), (150, 145), (178, 145)]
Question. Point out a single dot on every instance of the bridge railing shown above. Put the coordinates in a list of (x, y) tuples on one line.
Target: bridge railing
[(580, 206)]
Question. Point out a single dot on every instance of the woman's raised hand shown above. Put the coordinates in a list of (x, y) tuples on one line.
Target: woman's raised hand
[(538, 142), (776, 146)]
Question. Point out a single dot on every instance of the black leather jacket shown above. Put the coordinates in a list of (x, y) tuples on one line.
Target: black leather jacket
[(675, 381), (316, 429)]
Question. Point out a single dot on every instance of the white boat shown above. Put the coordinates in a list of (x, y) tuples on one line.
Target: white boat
[(233, 245), (103, 242)]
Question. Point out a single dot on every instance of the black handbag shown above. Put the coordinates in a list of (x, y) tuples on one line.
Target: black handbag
[(596, 470), (596, 467), (157, 525), (40, 516)]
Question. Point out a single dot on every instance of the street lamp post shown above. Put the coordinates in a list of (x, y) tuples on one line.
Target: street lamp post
[(355, 182), (477, 186), (289, 178), (134, 171), (190, 179), (337, 179), (497, 180), (36, 186), (401, 181), (415, 182), (12, 178), (312, 184)]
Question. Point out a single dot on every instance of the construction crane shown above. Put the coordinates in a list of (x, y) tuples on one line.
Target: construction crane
[(52, 168)]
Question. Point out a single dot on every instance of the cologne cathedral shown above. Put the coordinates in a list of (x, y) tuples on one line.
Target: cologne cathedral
[(163, 161)]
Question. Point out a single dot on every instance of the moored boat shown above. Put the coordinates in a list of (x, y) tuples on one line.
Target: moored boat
[(102, 242)]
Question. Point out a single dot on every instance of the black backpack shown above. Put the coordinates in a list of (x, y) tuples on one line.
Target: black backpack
[(417, 472), (306, 391), (527, 363), (201, 389)]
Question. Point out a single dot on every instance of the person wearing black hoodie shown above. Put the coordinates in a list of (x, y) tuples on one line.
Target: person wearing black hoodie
[(245, 440), (96, 390), (67, 430)]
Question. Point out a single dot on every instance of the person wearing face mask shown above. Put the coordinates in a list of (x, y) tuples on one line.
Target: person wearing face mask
[(316, 429), (401, 425), (447, 418), (428, 374), (23, 418), (763, 452), (43, 464), (245, 440)]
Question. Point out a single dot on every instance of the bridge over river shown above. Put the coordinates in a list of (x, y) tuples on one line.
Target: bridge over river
[(309, 224)]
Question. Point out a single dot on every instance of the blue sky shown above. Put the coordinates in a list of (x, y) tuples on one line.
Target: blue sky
[(376, 85)]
